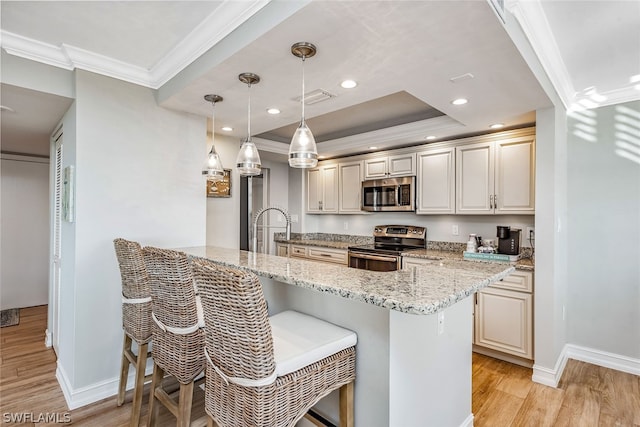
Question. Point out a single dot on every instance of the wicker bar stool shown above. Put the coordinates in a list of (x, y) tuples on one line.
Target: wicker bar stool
[(178, 337), (136, 320), (267, 372)]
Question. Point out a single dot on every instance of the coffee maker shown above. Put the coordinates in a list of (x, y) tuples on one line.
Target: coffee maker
[(508, 240)]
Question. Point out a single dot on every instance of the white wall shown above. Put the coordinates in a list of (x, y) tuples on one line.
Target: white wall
[(137, 176), (604, 229), (551, 265), (25, 231), (223, 214)]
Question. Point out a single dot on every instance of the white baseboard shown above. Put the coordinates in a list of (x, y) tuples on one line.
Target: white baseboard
[(48, 338), (604, 359), (82, 396), (468, 422), (551, 377)]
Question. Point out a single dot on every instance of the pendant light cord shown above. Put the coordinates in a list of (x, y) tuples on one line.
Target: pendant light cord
[(249, 114), (213, 126), (302, 99)]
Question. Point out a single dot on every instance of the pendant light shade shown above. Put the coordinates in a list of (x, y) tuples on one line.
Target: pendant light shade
[(213, 169), (302, 151), (248, 160)]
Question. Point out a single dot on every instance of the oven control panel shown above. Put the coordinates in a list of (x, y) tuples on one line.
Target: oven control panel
[(399, 231)]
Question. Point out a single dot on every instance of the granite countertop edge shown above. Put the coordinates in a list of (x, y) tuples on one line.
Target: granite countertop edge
[(421, 291)]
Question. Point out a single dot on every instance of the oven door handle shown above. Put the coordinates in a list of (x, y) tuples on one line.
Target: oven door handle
[(373, 257)]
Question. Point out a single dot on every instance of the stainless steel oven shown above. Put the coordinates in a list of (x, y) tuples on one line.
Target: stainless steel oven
[(389, 241), (373, 262)]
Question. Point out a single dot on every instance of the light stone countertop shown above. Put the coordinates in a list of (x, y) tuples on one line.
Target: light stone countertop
[(524, 264), (318, 243), (421, 290)]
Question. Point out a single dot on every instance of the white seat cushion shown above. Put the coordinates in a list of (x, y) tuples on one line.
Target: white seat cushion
[(300, 340)]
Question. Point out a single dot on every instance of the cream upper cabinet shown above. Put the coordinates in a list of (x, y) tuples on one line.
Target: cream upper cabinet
[(515, 177), (395, 165), (322, 189), (350, 187), (496, 177), (435, 183), (504, 316)]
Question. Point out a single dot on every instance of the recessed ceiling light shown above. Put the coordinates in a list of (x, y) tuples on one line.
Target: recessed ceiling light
[(373, 148), (459, 101), (273, 111), (497, 125), (227, 128), (348, 84), (430, 137)]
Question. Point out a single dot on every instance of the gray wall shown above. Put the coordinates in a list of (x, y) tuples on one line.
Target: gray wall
[(25, 231), (604, 229)]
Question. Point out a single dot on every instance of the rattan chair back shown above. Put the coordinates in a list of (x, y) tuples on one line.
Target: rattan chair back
[(238, 333), (242, 387), (174, 307), (136, 315)]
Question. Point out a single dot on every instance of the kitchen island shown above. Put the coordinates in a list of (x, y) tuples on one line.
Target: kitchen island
[(413, 365)]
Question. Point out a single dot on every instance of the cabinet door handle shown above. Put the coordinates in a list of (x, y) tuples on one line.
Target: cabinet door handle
[(491, 201), (495, 201)]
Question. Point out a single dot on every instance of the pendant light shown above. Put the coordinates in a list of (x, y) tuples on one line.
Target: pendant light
[(213, 169), (248, 160), (302, 151)]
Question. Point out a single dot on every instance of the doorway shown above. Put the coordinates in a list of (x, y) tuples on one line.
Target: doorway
[(254, 196)]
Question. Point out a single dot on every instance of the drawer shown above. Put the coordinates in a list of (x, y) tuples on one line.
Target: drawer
[(521, 281), (298, 251), (329, 255)]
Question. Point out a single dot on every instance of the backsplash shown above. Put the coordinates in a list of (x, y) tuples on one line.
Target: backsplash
[(356, 240)]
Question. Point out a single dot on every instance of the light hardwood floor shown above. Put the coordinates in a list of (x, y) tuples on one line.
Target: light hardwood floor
[(503, 393)]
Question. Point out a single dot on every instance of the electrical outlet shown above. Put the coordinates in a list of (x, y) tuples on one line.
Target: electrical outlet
[(454, 230), (440, 322), (346, 225), (531, 233), (294, 218)]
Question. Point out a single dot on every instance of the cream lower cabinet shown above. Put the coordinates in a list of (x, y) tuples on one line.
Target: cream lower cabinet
[(314, 253), (409, 262), (282, 249), (504, 316)]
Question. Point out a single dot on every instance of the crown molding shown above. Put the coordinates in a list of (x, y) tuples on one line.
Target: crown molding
[(397, 135), (533, 21), (226, 18), (220, 23)]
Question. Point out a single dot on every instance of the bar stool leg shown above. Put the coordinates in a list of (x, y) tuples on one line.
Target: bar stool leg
[(156, 382), (185, 401), (346, 405), (141, 364), (124, 370)]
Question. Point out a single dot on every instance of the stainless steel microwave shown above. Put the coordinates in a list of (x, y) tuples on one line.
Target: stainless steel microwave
[(389, 194)]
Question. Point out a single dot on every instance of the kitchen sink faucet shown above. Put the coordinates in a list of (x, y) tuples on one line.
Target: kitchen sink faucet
[(287, 218)]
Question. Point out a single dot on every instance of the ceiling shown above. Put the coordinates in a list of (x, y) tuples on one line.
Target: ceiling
[(410, 59)]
